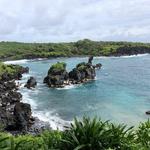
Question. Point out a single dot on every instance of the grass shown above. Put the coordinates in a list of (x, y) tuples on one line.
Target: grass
[(85, 134)]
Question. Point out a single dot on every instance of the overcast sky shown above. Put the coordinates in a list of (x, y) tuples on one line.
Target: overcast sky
[(71, 20)]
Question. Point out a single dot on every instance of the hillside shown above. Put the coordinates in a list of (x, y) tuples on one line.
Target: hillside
[(16, 50)]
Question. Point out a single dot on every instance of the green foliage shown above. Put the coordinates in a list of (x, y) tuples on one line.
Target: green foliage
[(52, 139), (96, 134), (16, 50), (87, 134), (143, 134), (81, 66), (10, 69), (58, 67)]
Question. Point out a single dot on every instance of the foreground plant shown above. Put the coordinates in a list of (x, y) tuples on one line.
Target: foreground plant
[(96, 134), (85, 134)]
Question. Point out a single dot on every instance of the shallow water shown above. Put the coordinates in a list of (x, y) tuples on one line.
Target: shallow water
[(120, 93)]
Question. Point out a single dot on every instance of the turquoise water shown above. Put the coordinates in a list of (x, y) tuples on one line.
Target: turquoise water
[(120, 93)]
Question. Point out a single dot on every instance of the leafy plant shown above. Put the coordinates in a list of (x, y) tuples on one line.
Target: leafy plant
[(143, 134), (85, 134)]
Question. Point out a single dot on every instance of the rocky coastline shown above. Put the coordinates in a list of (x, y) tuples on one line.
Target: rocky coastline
[(16, 116)]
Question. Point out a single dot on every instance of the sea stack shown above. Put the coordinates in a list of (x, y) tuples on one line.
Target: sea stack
[(59, 77)]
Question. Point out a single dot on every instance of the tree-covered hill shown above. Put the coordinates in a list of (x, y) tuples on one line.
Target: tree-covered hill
[(16, 50)]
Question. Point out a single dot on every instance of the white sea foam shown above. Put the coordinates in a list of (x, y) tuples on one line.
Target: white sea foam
[(16, 61), (131, 56), (26, 98), (127, 56), (55, 121), (67, 87), (48, 116)]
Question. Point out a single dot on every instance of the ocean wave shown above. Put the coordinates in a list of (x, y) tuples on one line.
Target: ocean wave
[(26, 98), (67, 87), (131, 56), (47, 116), (126, 56), (55, 121), (22, 61)]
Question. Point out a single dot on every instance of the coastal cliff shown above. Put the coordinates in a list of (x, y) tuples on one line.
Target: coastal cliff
[(15, 115)]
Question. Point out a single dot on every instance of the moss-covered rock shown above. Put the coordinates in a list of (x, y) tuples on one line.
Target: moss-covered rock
[(57, 68), (57, 75), (9, 72)]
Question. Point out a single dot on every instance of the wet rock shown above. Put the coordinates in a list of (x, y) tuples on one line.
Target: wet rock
[(24, 70), (31, 83), (22, 113), (90, 60), (38, 127), (75, 75), (7, 120), (98, 66), (147, 112), (57, 75), (83, 71)]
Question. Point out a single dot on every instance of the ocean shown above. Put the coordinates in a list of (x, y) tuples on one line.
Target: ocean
[(120, 93)]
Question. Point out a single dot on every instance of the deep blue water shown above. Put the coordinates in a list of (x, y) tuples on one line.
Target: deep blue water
[(120, 93)]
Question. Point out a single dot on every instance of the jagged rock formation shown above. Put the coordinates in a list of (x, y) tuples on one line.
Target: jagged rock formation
[(14, 115), (59, 77), (31, 83), (147, 112)]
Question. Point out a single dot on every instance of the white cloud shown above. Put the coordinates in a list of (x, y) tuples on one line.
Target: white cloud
[(69, 20)]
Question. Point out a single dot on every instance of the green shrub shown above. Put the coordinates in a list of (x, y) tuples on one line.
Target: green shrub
[(10, 69), (143, 134), (96, 134), (85, 134), (52, 139), (58, 67)]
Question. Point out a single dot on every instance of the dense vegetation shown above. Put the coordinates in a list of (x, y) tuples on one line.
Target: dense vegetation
[(16, 50), (9, 69), (58, 67), (88, 134)]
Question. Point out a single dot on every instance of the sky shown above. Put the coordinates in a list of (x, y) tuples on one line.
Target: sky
[(72, 20)]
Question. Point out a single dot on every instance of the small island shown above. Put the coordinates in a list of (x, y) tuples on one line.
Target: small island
[(59, 77)]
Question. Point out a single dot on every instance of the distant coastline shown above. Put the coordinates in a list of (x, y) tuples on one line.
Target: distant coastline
[(81, 48)]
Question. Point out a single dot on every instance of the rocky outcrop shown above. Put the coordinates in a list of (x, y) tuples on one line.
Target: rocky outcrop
[(14, 115), (22, 113), (31, 83), (83, 72), (147, 112), (131, 50), (98, 66), (16, 74), (59, 77), (7, 120)]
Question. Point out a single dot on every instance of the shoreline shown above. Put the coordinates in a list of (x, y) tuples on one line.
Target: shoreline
[(54, 122), (40, 59), (17, 61)]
